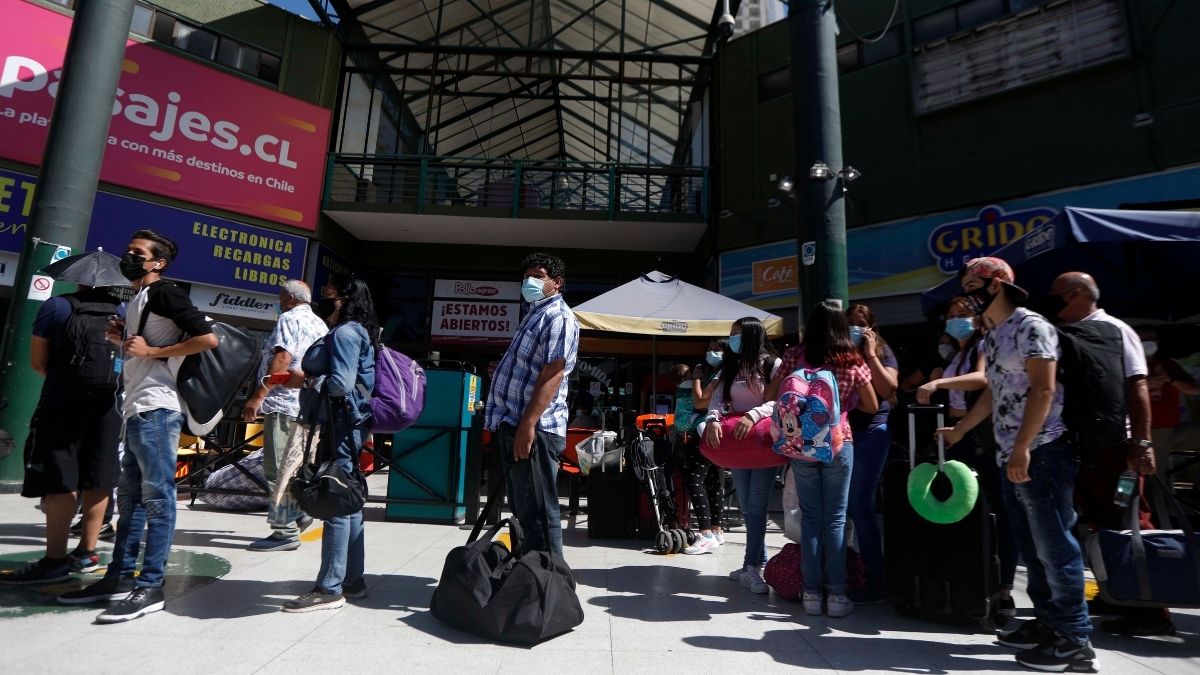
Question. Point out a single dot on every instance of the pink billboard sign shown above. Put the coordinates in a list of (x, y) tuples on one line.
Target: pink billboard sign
[(179, 128)]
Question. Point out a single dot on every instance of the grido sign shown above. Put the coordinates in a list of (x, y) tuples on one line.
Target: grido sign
[(178, 128), (228, 302), (476, 290), (460, 322), (953, 244)]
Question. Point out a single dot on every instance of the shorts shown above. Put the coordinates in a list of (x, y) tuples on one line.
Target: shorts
[(72, 446)]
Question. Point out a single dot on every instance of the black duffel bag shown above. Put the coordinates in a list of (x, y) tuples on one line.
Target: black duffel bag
[(323, 489), (504, 595)]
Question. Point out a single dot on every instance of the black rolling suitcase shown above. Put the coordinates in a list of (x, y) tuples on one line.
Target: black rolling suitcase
[(937, 571), (612, 503)]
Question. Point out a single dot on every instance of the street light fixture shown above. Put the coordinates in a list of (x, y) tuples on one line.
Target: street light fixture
[(820, 171), (786, 185)]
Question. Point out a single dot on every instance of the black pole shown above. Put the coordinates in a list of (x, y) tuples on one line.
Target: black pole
[(817, 116), (66, 188)]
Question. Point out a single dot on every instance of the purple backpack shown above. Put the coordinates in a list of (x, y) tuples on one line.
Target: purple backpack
[(399, 395)]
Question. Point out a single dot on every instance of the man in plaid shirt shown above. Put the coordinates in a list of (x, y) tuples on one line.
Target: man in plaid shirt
[(527, 405)]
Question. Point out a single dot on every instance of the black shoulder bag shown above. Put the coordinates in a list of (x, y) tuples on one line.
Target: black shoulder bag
[(323, 489)]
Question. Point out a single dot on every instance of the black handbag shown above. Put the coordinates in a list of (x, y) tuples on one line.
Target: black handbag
[(504, 595), (323, 489)]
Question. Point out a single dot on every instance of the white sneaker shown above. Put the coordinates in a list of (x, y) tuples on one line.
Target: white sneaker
[(812, 604), (720, 537), (703, 544), (752, 578), (839, 606), (736, 575)]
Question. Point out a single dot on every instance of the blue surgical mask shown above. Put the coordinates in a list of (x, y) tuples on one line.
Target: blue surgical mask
[(960, 328), (713, 358), (532, 289), (856, 334), (735, 343)]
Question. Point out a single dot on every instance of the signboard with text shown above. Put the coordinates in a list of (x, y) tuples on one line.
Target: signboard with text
[(476, 290), (459, 322), (212, 250), (179, 128), (323, 263), (229, 302)]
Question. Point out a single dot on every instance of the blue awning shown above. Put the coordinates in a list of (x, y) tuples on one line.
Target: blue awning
[(1142, 260)]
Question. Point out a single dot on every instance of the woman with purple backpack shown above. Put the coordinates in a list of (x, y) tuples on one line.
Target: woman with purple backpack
[(345, 363), (824, 488)]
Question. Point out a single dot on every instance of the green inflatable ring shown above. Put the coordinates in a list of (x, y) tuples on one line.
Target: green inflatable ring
[(965, 491)]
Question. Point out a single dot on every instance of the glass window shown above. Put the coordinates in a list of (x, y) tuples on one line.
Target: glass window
[(237, 55), (164, 28), (268, 67), (143, 18), (847, 57), (976, 12), (195, 40), (888, 46), (933, 26)]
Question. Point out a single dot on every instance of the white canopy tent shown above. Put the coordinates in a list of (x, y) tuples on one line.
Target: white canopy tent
[(657, 304)]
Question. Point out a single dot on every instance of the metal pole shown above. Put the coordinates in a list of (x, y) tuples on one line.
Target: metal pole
[(821, 216), (62, 208)]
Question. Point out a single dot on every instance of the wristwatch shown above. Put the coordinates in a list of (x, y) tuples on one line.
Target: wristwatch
[(1140, 443)]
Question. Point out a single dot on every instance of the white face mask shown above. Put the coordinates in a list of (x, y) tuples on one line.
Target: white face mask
[(1150, 347)]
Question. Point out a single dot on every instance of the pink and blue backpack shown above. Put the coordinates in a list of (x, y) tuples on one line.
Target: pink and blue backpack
[(807, 422)]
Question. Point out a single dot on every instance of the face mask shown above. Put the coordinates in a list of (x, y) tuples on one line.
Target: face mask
[(325, 308), (735, 343), (959, 328), (714, 358), (533, 289), (1150, 347), (980, 299), (132, 266), (856, 334), (947, 352)]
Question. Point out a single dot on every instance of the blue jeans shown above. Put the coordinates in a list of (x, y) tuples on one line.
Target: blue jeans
[(343, 543), (146, 495), (753, 488), (870, 454), (534, 500), (1042, 514), (823, 490)]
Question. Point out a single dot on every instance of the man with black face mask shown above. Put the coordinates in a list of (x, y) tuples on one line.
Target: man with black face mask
[(1025, 401), (1073, 298), (162, 323)]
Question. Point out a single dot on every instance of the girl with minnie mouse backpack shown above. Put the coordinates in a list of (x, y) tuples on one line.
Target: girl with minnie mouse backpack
[(825, 377)]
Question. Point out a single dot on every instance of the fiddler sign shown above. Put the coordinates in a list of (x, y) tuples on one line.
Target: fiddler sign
[(231, 302)]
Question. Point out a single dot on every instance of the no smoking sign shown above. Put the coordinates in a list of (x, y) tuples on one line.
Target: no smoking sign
[(40, 287)]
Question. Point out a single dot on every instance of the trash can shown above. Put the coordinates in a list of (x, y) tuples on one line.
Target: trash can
[(427, 477)]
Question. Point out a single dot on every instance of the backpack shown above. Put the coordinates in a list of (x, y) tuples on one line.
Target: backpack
[(85, 357), (399, 395), (1092, 371), (807, 421), (685, 410)]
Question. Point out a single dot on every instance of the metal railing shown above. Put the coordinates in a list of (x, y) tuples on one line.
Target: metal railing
[(514, 185)]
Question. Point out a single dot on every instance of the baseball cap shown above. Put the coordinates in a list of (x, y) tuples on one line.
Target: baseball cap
[(990, 267)]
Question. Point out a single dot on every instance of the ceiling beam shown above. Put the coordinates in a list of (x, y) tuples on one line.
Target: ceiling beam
[(479, 140)]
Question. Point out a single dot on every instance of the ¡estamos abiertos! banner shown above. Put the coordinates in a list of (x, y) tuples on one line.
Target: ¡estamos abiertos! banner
[(178, 128)]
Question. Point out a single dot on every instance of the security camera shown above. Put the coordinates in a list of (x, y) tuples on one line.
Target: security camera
[(725, 26)]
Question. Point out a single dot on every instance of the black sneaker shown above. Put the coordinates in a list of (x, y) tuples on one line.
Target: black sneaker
[(140, 602), (314, 600), (356, 590), (108, 589), (44, 571), (1059, 656), (83, 562), (1031, 634), (1006, 607), (107, 531)]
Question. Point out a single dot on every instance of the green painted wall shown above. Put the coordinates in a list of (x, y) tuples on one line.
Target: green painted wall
[(1072, 130)]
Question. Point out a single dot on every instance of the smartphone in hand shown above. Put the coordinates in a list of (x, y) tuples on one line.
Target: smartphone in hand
[(277, 378)]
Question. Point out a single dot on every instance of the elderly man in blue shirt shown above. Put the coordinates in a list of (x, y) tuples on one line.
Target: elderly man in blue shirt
[(527, 405)]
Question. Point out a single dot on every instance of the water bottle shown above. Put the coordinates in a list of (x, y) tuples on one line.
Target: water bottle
[(1124, 492)]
